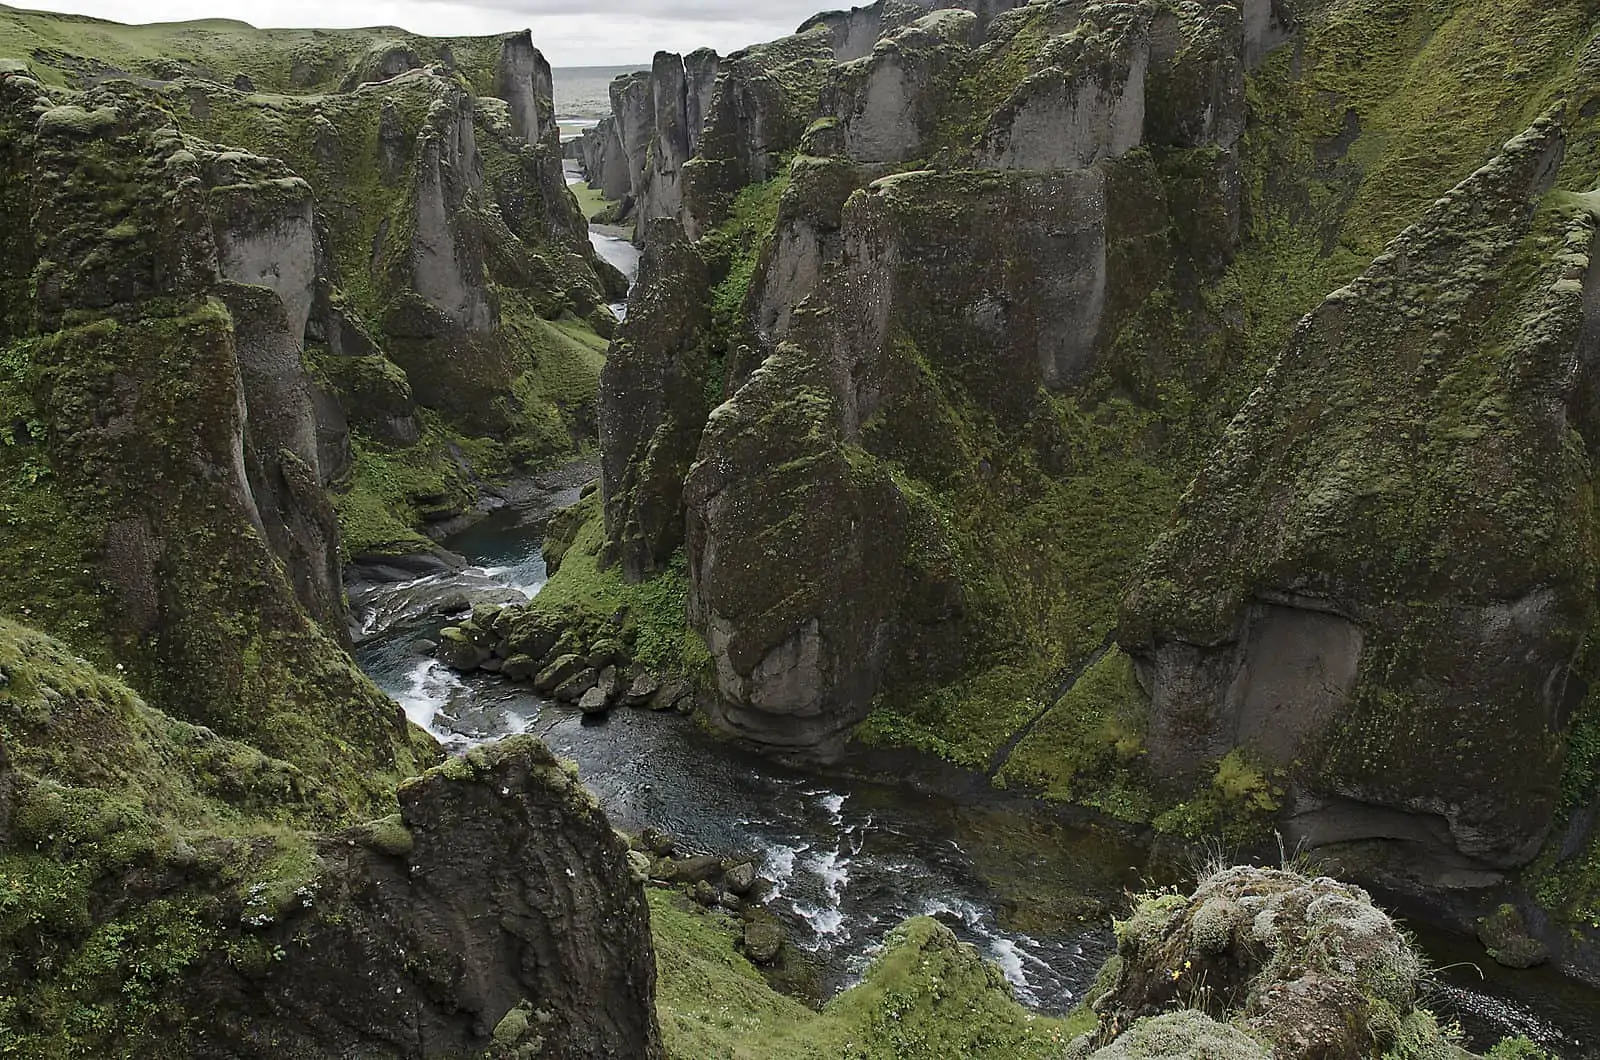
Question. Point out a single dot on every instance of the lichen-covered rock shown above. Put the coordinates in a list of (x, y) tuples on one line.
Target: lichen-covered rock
[(1311, 966), (1184, 1035), (1363, 564)]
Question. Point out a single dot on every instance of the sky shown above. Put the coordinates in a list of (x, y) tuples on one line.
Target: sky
[(569, 32)]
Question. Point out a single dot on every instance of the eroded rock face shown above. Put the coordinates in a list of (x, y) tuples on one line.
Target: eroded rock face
[(522, 78), (680, 91), (1086, 104), (1364, 565), (762, 101), (800, 645), (511, 923), (888, 102), (653, 402), (1003, 283)]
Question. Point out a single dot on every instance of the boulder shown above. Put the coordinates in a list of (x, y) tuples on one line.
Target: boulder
[(557, 673), (459, 651), (640, 690), (696, 868), (763, 939), (740, 878), (573, 688), (532, 633), (594, 701), (1505, 936), (605, 652), (520, 668)]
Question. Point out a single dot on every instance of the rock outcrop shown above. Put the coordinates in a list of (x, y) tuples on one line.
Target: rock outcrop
[(504, 922), (493, 915), (681, 91), (653, 402), (1261, 962), (1326, 601)]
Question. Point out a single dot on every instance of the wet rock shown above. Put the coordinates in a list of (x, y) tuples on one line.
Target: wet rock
[(573, 688), (459, 651), (557, 673), (520, 667), (1505, 936), (491, 665), (741, 877), (763, 938), (640, 690), (594, 701), (704, 893), (424, 646)]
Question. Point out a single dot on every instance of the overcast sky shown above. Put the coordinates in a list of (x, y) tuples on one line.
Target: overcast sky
[(569, 32)]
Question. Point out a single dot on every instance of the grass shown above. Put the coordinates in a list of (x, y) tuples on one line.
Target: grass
[(591, 201), (925, 997), (654, 612)]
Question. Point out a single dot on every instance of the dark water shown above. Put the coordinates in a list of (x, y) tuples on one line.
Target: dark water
[(849, 860)]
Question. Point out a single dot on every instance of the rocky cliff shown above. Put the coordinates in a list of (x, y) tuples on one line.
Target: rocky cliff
[(268, 302), (166, 896), (1010, 447)]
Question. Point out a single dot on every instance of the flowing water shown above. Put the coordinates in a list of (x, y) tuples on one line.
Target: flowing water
[(844, 860), (847, 860)]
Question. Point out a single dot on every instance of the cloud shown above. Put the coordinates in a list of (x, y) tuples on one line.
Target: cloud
[(569, 32)]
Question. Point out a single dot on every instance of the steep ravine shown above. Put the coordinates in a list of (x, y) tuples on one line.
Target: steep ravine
[(849, 858)]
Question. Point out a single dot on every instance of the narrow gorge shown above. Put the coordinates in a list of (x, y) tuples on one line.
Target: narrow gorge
[(1008, 530)]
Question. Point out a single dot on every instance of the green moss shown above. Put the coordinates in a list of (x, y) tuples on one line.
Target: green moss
[(1089, 744), (1239, 804), (592, 202), (129, 835), (927, 997), (653, 613)]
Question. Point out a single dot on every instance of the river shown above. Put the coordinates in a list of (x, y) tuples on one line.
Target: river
[(849, 859)]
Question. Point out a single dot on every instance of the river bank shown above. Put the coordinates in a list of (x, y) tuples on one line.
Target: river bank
[(851, 851)]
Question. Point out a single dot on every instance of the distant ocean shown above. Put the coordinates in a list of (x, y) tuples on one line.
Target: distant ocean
[(583, 94)]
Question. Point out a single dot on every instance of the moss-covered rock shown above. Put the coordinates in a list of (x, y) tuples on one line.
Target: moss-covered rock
[(161, 898), (1308, 967), (1362, 563)]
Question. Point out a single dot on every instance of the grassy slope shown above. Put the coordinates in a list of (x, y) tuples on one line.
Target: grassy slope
[(926, 997), (63, 48), (103, 789)]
